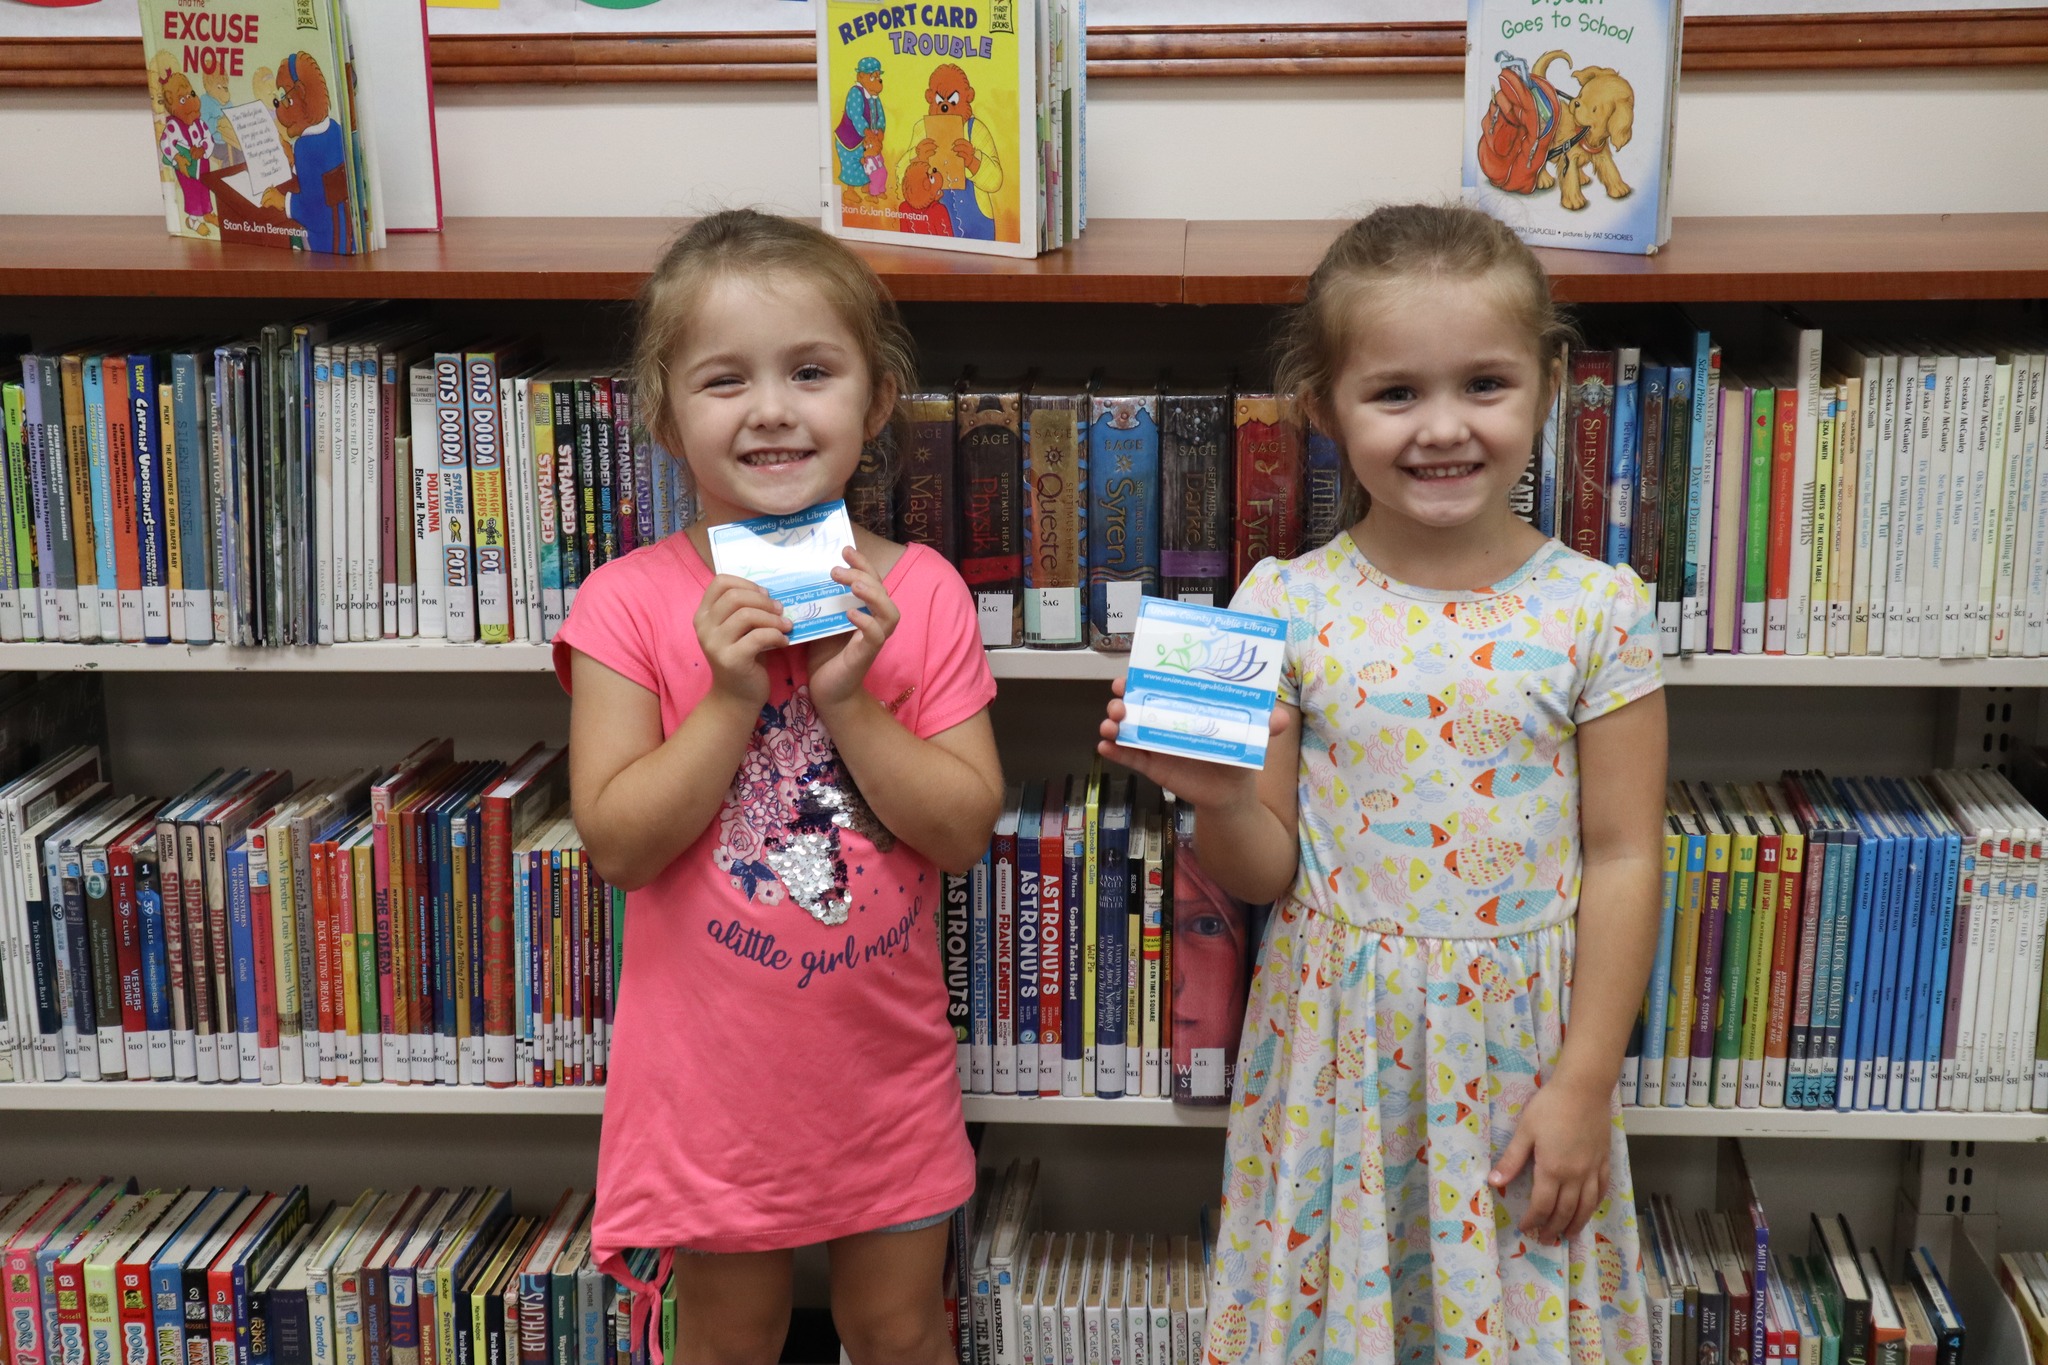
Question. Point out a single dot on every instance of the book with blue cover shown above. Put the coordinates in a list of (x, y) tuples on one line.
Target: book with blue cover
[(1202, 682), (792, 557), (1123, 521)]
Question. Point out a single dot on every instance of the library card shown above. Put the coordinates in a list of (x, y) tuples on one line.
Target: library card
[(1202, 682), (793, 558)]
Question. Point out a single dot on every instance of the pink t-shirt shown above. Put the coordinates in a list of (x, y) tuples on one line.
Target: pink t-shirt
[(782, 1069)]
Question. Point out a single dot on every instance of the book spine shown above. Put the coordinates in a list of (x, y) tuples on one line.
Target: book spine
[(1707, 988), (1593, 378), (149, 500), (1734, 975), (1074, 949), (1195, 498), (1268, 454), (1003, 960), (1323, 489), (1053, 929), (484, 431), (1112, 915), (1782, 512), (981, 977), (1055, 520), (605, 457), (1123, 524), (925, 485), (459, 599), (955, 940), (1624, 433), (1646, 534), (96, 601), (1026, 956), (194, 498), (991, 528), (57, 479)]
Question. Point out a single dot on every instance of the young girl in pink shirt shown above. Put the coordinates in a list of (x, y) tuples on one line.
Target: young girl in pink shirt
[(782, 1071)]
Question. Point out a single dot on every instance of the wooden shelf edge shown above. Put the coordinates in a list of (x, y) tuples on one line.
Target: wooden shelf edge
[(1865, 41)]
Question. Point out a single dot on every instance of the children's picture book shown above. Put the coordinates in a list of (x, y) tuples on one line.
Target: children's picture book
[(1202, 682), (1568, 120), (931, 124), (257, 133), (793, 558)]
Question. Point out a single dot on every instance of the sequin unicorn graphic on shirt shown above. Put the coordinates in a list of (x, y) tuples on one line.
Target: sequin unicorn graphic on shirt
[(779, 832)]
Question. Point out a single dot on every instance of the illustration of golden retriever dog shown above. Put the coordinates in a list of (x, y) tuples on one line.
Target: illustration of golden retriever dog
[(1591, 126)]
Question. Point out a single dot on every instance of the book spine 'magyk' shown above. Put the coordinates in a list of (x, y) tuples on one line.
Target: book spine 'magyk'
[(1268, 456), (991, 522), (925, 483), (1056, 509), (1123, 525), (1195, 498)]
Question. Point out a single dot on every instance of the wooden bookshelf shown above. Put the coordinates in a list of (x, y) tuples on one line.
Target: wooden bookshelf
[(1721, 260), (1131, 260)]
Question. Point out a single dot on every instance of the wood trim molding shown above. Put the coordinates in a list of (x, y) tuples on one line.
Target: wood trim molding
[(1789, 42)]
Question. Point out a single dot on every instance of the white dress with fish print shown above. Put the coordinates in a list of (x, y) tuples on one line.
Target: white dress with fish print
[(1413, 986)]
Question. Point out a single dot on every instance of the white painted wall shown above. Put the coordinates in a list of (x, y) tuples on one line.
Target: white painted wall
[(1296, 147)]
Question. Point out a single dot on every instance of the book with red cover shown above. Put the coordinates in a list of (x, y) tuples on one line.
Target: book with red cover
[(1589, 415), (1778, 574), (1054, 924), (990, 451), (537, 782), (1268, 448)]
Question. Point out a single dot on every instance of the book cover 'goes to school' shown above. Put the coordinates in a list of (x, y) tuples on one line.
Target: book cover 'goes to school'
[(256, 128), (929, 123), (1568, 111)]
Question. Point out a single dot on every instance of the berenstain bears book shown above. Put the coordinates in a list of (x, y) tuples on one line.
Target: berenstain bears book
[(930, 124), (255, 123), (1568, 115)]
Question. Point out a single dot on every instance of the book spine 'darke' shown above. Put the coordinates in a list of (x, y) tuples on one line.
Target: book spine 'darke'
[(1592, 410), (1268, 450), (925, 483), (452, 449), (486, 433), (1055, 518), (1195, 497), (991, 520), (1123, 525)]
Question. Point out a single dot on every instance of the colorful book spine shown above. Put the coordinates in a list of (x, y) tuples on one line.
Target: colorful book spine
[(484, 430), (1056, 508), (1123, 521), (1624, 437), (925, 497), (458, 565), (1268, 456), (1775, 504), (150, 499), (989, 460), (1195, 497), (1590, 441)]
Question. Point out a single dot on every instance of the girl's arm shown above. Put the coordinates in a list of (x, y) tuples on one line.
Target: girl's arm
[(640, 800), (1245, 821), (1567, 1127)]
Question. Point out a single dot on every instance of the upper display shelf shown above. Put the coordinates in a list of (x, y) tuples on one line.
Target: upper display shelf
[(1137, 260)]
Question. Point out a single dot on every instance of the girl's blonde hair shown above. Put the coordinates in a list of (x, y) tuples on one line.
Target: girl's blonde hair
[(757, 247), (1401, 244)]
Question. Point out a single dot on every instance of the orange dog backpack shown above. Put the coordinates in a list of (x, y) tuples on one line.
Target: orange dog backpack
[(1514, 138)]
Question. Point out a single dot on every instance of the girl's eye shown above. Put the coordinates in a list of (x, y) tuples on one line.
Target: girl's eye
[(1487, 384), (722, 381), (1208, 926), (809, 374), (1399, 393)]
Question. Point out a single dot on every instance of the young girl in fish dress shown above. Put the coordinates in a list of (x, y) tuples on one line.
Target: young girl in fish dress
[(782, 1069), (1459, 817)]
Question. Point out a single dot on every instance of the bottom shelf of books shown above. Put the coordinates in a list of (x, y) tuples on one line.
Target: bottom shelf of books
[(296, 1274)]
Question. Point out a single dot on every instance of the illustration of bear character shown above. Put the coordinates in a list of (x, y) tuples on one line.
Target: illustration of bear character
[(862, 172), (317, 195), (185, 146), (962, 149), (921, 210)]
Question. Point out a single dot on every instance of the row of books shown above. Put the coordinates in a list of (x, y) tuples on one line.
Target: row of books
[(1021, 1294), (1088, 954), (279, 492), (2023, 1275), (1855, 498), (1720, 1288), (431, 922), (1847, 943), (102, 1272)]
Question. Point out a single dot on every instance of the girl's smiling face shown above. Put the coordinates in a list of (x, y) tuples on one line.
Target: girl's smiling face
[(1438, 401), (771, 399)]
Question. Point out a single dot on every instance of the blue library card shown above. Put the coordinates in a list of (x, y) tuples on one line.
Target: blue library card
[(793, 557), (1202, 682)]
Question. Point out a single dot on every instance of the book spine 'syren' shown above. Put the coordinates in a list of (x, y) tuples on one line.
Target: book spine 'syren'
[(1123, 517)]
